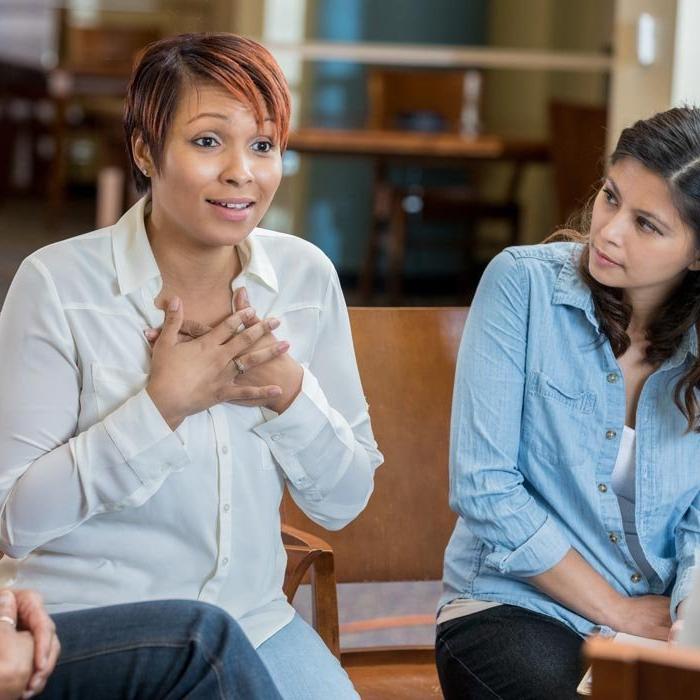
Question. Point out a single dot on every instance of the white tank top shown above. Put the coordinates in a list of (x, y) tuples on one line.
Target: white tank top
[(623, 483)]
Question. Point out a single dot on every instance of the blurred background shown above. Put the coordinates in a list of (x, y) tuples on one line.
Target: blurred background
[(427, 134), (456, 128)]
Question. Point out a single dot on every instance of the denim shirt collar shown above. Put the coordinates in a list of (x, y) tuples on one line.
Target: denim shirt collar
[(570, 289)]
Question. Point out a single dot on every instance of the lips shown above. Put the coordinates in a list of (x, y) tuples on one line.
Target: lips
[(235, 204), (605, 258)]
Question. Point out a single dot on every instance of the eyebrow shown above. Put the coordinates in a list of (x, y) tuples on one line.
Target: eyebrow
[(218, 115), (647, 214)]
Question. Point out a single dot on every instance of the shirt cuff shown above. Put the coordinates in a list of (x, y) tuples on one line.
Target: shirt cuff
[(144, 439), (288, 433), (539, 553), (681, 589)]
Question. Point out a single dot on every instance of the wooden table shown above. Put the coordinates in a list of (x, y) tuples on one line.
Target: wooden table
[(422, 149), (448, 148)]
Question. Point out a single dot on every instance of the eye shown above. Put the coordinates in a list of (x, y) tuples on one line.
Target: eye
[(263, 146), (206, 142), (646, 225), (609, 196)]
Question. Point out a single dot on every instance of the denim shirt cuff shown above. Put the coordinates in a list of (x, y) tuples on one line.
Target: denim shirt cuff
[(681, 589), (539, 553)]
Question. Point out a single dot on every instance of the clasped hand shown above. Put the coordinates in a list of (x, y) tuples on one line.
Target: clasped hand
[(195, 367)]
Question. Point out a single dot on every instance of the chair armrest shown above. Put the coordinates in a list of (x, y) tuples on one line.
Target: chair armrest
[(308, 553)]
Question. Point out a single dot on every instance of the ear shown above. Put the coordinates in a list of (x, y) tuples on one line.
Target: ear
[(142, 154)]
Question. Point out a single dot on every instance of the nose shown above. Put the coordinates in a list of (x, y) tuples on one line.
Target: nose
[(614, 229), (237, 170)]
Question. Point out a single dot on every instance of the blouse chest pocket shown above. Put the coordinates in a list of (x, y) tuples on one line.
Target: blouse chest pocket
[(114, 386), (557, 425), (298, 326)]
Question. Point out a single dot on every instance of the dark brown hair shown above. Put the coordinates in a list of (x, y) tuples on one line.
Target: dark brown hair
[(667, 144), (241, 66)]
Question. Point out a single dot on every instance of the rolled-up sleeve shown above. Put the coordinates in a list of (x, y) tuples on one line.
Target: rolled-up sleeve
[(323, 442), (53, 476), (687, 543), (486, 487)]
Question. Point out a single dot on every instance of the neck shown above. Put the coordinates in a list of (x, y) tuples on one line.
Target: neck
[(644, 308), (189, 268)]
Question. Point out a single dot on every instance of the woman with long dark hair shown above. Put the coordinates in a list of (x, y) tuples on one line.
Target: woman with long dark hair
[(575, 450)]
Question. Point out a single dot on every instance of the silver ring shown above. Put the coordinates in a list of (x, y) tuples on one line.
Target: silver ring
[(8, 619), (239, 365)]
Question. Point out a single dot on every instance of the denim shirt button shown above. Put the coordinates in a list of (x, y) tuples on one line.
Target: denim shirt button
[(612, 377), (610, 434), (613, 538), (602, 488), (635, 577)]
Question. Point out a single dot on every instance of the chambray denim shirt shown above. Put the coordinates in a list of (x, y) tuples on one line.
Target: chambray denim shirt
[(537, 416)]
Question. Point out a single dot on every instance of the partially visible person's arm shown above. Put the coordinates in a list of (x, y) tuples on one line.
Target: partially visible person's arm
[(33, 618), (16, 653)]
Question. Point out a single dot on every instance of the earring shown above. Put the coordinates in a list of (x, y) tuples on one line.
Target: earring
[(145, 172)]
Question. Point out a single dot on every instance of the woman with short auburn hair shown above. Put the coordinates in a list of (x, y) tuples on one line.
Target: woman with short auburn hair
[(172, 374)]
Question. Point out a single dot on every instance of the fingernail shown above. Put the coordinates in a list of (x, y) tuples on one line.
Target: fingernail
[(244, 296), (174, 304), (273, 323), (275, 391), (27, 694), (283, 346), (150, 333)]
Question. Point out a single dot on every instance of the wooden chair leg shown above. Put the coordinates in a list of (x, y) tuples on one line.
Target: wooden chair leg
[(325, 601)]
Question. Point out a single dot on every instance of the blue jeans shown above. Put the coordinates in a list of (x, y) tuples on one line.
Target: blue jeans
[(167, 649), (302, 666)]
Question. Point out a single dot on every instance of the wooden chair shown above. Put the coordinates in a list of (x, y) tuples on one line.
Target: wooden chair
[(577, 135), (627, 672), (431, 100), (406, 358)]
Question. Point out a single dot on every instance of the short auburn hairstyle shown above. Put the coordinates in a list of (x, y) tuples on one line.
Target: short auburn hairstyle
[(241, 66)]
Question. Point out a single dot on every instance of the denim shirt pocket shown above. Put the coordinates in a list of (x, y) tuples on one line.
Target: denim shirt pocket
[(556, 420)]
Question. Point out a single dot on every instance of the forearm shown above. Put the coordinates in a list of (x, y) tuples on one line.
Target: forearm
[(575, 584), (116, 461)]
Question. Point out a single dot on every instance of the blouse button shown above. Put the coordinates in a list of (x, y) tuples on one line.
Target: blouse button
[(602, 488), (224, 561), (227, 508), (635, 577), (610, 434), (224, 450), (612, 537), (277, 436), (612, 377)]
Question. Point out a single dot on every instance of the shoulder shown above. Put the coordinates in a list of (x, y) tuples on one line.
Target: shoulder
[(543, 261), (293, 255), (75, 264)]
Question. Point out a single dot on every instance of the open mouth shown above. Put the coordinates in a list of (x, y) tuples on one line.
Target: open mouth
[(228, 204)]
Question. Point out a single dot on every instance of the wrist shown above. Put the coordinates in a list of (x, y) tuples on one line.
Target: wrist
[(170, 415), (614, 612)]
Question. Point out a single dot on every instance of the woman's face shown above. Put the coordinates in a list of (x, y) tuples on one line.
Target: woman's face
[(638, 240), (219, 171)]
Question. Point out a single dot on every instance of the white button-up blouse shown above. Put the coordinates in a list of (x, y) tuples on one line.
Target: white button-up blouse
[(101, 502)]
